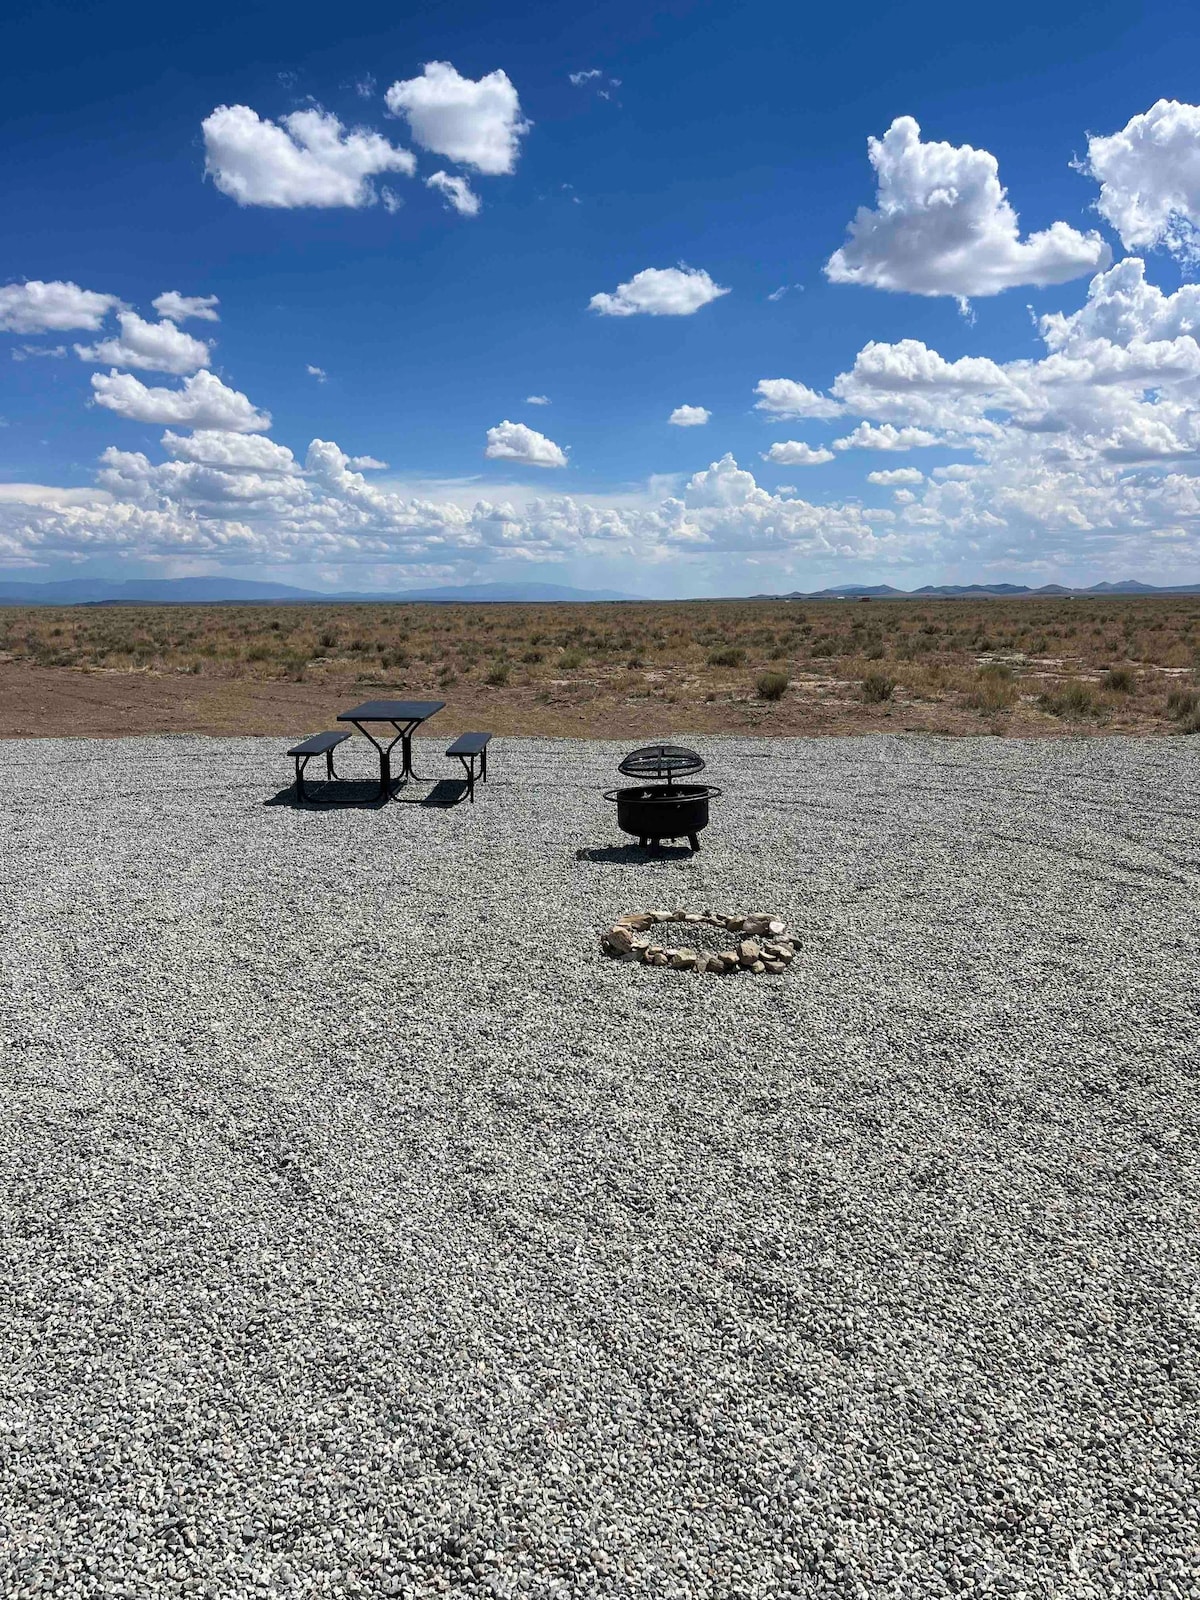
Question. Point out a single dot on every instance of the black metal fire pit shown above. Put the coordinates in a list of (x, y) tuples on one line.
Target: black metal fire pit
[(652, 812)]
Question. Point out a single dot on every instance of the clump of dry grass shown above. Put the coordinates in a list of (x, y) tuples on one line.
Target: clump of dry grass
[(1183, 703), (993, 690), (771, 685), (1072, 698), (877, 687)]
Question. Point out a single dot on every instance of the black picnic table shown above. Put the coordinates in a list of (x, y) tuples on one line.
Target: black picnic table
[(405, 716)]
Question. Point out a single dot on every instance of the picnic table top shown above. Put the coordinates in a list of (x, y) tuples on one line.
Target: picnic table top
[(392, 711)]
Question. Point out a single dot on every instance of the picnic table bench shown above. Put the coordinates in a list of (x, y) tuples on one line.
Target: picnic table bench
[(320, 744), (471, 748)]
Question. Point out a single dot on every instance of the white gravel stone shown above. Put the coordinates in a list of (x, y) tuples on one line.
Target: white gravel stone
[(348, 1249)]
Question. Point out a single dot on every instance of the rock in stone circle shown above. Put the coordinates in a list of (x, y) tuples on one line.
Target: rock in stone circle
[(659, 916), (683, 958), (734, 923), (702, 961), (660, 959), (757, 925), (729, 957), (639, 920), (619, 940), (694, 916), (773, 966), (775, 926), (758, 966), (653, 950), (748, 952)]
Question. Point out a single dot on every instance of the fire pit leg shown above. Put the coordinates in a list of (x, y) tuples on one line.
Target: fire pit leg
[(694, 841)]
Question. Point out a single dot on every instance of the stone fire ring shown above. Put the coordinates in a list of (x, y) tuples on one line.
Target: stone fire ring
[(763, 943)]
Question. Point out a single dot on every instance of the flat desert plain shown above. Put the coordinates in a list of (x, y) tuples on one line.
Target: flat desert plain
[(1024, 667)]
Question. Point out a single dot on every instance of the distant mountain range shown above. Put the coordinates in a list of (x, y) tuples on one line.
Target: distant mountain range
[(215, 591), (977, 591), (218, 591)]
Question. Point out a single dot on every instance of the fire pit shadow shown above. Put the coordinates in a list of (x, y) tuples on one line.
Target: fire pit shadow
[(635, 854)]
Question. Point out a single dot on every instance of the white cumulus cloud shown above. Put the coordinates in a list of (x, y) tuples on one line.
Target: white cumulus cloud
[(659, 292), (896, 478), (318, 373), (1149, 177), (537, 399), (943, 225), (202, 402), (457, 192), (367, 464), (155, 346), (184, 307), (690, 416), (37, 307), (306, 159), (513, 441), (795, 453), (781, 397), (886, 437), (230, 451), (476, 122)]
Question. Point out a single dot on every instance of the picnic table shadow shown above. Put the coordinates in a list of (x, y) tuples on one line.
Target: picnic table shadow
[(362, 794)]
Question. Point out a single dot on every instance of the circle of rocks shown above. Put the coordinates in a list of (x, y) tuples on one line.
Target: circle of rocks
[(763, 943)]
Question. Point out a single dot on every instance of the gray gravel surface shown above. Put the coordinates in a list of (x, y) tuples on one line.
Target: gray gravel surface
[(364, 1231)]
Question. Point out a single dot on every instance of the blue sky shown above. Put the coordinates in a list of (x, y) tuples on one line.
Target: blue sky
[(952, 391)]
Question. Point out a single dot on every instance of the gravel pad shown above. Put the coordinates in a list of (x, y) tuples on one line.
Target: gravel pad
[(365, 1231)]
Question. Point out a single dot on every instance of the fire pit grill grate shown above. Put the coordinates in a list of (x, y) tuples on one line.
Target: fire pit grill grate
[(669, 761)]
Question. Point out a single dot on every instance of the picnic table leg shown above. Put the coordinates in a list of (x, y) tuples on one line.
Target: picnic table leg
[(385, 761), (406, 767)]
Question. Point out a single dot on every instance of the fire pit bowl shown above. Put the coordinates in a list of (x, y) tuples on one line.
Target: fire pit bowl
[(652, 812)]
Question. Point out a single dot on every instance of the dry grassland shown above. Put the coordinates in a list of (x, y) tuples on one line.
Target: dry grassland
[(1020, 667)]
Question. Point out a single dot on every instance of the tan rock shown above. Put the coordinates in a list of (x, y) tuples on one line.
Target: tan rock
[(638, 920), (748, 952), (758, 966), (683, 958), (618, 941), (775, 926), (773, 966), (729, 957)]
